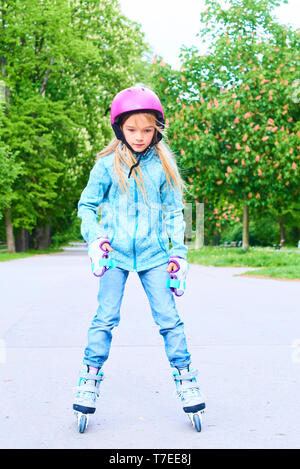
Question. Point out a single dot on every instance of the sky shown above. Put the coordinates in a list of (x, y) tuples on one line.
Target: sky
[(169, 24)]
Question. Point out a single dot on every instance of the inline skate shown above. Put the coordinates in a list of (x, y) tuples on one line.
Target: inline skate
[(189, 393), (87, 392)]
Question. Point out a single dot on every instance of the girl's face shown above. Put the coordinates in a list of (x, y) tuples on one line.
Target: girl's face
[(139, 130)]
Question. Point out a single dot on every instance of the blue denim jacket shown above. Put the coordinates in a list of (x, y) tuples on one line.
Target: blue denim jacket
[(138, 233)]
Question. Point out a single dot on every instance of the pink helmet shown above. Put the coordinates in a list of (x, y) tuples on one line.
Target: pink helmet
[(131, 100), (136, 98)]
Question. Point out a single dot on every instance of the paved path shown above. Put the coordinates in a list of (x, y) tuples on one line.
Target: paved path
[(244, 336)]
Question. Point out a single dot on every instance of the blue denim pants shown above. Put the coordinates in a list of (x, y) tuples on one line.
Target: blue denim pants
[(162, 303)]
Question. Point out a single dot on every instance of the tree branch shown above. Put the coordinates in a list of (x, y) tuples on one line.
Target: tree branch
[(46, 77)]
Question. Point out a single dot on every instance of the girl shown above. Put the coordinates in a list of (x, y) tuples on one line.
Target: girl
[(138, 186)]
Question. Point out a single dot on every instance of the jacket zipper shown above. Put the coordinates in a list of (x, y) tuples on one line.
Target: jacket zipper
[(136, 225)]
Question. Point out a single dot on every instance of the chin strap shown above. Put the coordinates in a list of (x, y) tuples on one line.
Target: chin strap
[(120, 136), (143, 153)]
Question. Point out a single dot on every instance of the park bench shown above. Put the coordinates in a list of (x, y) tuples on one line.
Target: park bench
[(233, 244), (279, 246)]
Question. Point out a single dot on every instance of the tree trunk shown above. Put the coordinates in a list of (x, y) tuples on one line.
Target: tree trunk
[(10, 240), (46, 77), (22, 241), (216, 238), (282, 230), (42, 236), (246, 227), (296, 235)]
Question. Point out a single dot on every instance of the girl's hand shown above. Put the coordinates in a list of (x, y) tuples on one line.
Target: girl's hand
[(177, 281), (98, 253), (107, 247), (172, 266)]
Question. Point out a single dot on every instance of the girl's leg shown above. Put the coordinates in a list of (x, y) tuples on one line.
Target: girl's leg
[(111, 290), (165, 314)]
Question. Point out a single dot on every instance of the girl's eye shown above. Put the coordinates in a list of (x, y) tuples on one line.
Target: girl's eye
[(148, 130)]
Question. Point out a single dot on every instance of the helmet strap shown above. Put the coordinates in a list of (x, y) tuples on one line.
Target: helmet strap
[(142, 153), (120, 136)]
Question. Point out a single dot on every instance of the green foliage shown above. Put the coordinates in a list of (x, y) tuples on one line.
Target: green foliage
[(263, 231), (61, 64), (233, 120), (72, 233), (9, 172)]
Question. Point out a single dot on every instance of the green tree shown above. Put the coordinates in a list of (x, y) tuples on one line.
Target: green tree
[(61, 62), (9, 171), (235, 122)]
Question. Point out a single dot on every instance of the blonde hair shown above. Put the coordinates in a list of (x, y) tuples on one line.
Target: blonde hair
[(125, 157)]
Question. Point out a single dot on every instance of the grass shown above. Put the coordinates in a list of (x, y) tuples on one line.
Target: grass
[(283, 264), (287, 273), (10, 256)]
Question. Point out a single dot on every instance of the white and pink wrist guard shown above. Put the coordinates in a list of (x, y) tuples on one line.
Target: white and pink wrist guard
[(100, 257), (177, 280)]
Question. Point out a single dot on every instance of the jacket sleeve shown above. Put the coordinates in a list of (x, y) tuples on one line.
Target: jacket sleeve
[(90, 201), (173, 218)]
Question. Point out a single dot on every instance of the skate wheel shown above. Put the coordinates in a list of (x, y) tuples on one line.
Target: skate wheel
[(197, 422), (82, 423)]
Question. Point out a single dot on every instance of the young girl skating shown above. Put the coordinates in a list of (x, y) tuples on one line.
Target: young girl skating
[(137, 184)]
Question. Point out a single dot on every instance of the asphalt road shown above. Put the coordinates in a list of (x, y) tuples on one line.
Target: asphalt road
[(243, 334)]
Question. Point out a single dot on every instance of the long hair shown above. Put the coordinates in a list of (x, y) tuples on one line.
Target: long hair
[(125, 158)]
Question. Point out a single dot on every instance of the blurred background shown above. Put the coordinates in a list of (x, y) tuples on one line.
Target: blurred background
[(228, 76)]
